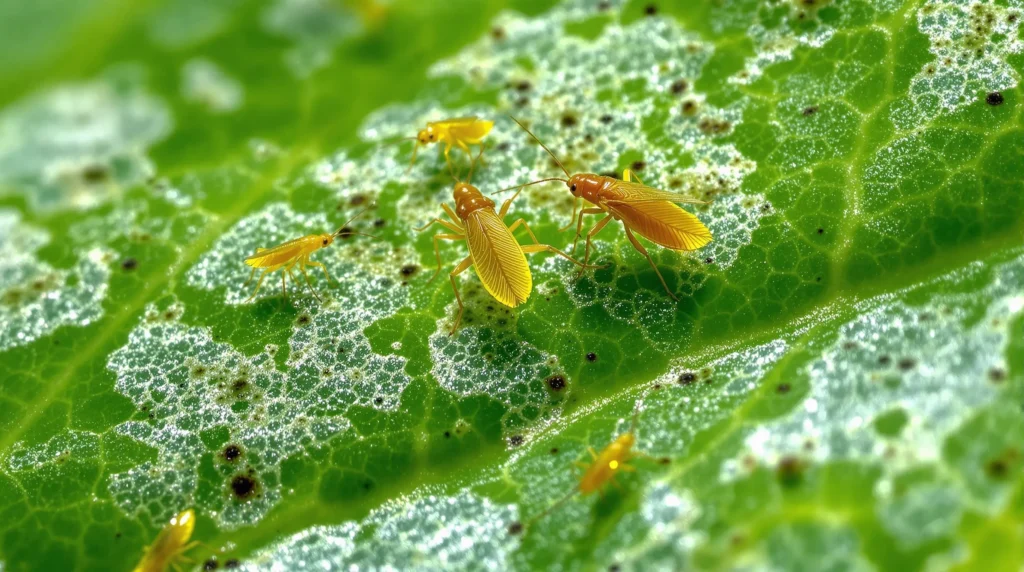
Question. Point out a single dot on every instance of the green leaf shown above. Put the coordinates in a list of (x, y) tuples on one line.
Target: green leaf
[(838, 387)]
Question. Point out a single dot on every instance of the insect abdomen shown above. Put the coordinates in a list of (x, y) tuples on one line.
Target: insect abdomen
[(498, 259)]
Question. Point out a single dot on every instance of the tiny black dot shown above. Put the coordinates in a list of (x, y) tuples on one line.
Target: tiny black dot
[(129, 264), (689, 107), (244, 486), (95, 174), (650, 9), (679, 86), (498, 33), (606, 5), (821, 231), (997, 468), (232, 452), (569, 120), (606, 119), (614, 568), (687, 378), (638, 165), (357, 200), (447, 434), (906, 364), (409, 269), (379, 223), (210, 564), (118, 535), (524, 86), (591, 356), (996, 375), (554, 450), (303, 319), (515, 528), (811, 110), (378, 400), (994, 98), (790, 471), (664, 460), (515, 440), (233, 563), (884, 360), (346, 232), (783, 388)]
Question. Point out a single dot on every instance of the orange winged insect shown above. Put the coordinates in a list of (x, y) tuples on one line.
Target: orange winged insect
[(494, 252), (295, 254), (604, 466), (653, 214), (460, 132), (170, 545)]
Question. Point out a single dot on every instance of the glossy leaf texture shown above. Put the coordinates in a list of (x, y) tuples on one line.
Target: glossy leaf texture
[(838, 387)]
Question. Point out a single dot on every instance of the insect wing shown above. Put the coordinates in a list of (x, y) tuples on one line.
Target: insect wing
[(662, 223), (630, 192), (470, 129), (277, 254), (498, 259)]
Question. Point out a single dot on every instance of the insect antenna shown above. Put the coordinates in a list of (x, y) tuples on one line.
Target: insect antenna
[(472, 164), (560, 166), (552, 507), (344, 230)]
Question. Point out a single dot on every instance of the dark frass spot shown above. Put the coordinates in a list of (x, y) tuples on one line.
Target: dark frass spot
[(687, 378), (689, 107), (303, 319), (790, 471), (651, 9), (498, 33), (523, 86), (569, 120), (884, 360), (997, 375), (554, 450), (907, 364), (515, 528), (614, 568), (664, 460), (591, 356), (709, 260), (515, 440), (638, 165), (95, 174), (810, 110), (606, 119), (821, 231), (231, 564), (996, 468), (679, 86), (995, 98), (346, 232), (783, 388), (232, 453), (378, 400), (379, 223), (129, 264), (556, 382), (604, 5), (447, 434), (409, 269), (245, 487), (357, 200), (210, 564)]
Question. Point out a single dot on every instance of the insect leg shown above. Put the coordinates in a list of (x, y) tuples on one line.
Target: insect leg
[(593, 453), (627, 175), (444, 223), (322, 267), (579, 225), (505, 205), (448, 159), (251, 274), (575, 207), (451, 276), (590, 236), (437, 251), (640, 247), (302, 268), (534, 248), (258, 284), (415, 148)]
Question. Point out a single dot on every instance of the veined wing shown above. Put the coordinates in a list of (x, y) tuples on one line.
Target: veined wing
[(277, 254), (498, 259), (662, 223), (469, 129), (632, 192)]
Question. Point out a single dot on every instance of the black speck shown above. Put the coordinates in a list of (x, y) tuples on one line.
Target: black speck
[(524, 86), (591, 356), (651, 9), (447, 434), (689, 107), (687, 378), (664, 461), (679, 86), (515, 440), (604, 5), (994, 98), (614, 568), (790, 471), (210, 564), (379, 223), (303, 319), (783, 388), (554, 450), (996, 468), (709, 260), (95, 174), (244, 487), (230, 564), (129, 264), (409, 269), (997, 375), (118, 535), (884, 360), (357, 200), (368, 485), (906, 364), (498, 33), (346, 232), (811, 110), (378, 400), (606, 119), (515, 528), (569, 120), (638, 165), (232, 452), (556, 382), (821, 231)]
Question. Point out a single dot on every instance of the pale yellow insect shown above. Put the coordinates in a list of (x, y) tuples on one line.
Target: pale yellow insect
[(292, 254), (494, 252), (460, 132), (170, 545)]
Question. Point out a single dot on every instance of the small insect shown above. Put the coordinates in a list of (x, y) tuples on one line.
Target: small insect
[(651, 213), (494, 252), (460, 131), (170, 545), (295, 253), (603, 467)]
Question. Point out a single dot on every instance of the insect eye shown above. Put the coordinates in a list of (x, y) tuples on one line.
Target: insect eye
[(325, 242), (431, 136), (573, 188)]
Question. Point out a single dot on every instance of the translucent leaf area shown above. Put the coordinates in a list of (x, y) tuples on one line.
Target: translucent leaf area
[(838, 387)]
